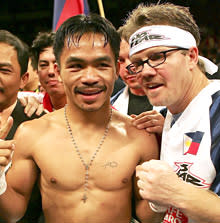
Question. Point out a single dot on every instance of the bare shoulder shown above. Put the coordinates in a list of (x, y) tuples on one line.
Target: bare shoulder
[(144, 142), (36, 126), (30, 132)]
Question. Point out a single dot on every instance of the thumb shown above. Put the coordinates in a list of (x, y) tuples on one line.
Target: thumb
[(5, 127)]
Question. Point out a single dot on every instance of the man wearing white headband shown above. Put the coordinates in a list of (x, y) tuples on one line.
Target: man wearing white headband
[(185, 183)]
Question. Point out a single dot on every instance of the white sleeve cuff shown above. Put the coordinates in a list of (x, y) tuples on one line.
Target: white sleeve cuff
[(3, 183), (157, 208)]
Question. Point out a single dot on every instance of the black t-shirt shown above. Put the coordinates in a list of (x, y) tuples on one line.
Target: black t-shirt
[(138, 104)]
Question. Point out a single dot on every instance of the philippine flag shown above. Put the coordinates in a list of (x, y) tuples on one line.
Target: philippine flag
[(64, 9), (192, 141)]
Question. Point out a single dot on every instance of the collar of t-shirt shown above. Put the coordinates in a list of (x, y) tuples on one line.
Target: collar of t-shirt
[(175, 118)]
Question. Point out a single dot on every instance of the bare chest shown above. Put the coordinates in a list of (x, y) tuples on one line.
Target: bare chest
[(65, 167)]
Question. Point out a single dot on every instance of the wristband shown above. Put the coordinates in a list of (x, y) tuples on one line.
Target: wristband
[(157, 208), (3, 184)]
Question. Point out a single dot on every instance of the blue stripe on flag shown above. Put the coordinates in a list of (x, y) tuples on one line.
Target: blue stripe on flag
[(86, 7), (58, 7)]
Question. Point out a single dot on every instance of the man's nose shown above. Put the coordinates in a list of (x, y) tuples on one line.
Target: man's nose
[(147, 70), (147, 73), (51, 70), (90, 77)]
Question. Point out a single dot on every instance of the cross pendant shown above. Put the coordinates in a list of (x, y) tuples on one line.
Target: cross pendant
[(84, 198)]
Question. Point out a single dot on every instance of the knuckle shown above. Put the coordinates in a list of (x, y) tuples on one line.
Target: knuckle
[(3, 160), (152, 121), (31, 103)]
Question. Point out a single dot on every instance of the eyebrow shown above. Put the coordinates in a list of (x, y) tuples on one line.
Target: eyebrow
[(43, 61), (153, 51), (76, 59), (73, 59), (105, 58)]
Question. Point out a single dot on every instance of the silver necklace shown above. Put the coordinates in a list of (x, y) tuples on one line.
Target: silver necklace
[(86, 165)]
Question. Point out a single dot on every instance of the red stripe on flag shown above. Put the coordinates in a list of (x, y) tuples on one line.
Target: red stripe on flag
[(71, 8), (193, 149)]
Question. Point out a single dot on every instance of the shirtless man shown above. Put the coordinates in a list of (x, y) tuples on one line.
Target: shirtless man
[(85, 159)]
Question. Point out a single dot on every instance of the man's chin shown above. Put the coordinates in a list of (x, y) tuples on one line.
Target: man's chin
[(134, 86), (90, 107), (54, 90), (156, 102)]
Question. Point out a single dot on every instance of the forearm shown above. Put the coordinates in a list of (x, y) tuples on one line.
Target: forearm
[(201, 205), (145, 214)]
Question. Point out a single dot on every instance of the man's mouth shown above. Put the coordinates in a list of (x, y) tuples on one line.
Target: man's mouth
[(52, 82), (153, 86), (89, 90)]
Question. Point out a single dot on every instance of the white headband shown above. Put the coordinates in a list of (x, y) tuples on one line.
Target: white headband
[(163, 35)]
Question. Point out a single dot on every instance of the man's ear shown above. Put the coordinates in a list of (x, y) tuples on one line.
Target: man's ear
[(193, 56), (24, 80)]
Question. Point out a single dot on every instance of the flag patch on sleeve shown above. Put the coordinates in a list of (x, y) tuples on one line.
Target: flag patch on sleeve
[(192, 142)]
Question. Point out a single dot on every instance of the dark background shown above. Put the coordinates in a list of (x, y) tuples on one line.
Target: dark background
[(25, 18)]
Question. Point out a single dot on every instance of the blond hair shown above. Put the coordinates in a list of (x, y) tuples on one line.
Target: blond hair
[(161, 14)]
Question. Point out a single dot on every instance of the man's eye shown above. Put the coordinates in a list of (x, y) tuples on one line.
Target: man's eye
[(43, 65), (75, 66), (5, 70), (103, 65), (136, 64), (156, 56), (121, 60)]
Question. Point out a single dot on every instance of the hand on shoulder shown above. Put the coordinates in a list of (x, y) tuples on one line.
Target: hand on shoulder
[(152, 121)]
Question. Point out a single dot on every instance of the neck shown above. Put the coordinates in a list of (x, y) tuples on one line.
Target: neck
[(31, 86), (88, 118), (137, 91), (58, 101)]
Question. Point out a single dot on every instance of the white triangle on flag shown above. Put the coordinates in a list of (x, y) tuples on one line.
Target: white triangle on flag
[(187, 142)]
